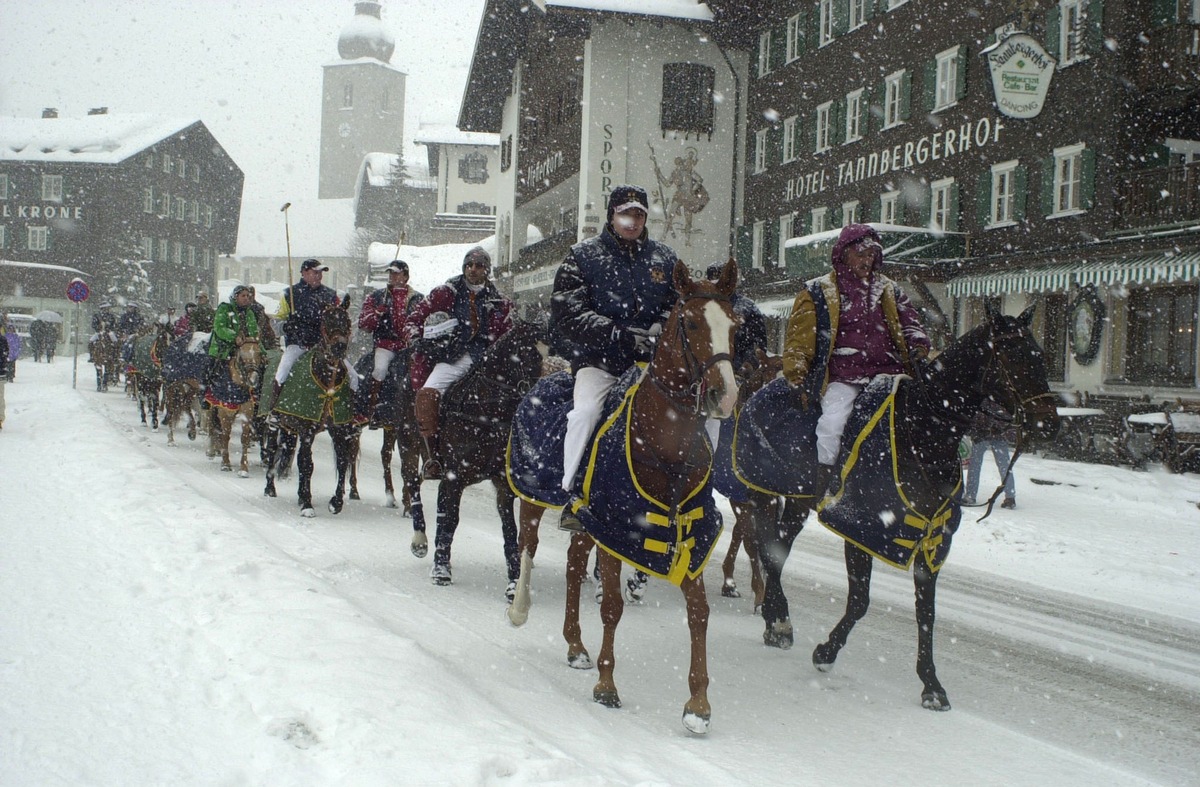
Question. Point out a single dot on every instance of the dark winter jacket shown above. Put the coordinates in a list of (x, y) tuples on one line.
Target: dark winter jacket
[(303, 306), (3, 354), (130, 323), (600, 291), (483, 317), (385, 312), (751, 334)]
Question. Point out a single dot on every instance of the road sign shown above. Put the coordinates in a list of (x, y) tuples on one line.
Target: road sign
[(78, 291)]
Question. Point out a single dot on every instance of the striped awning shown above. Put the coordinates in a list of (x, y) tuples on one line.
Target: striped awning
[(1157, 269)]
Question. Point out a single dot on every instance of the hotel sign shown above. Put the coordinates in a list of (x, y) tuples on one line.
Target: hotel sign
[(1021, 74)]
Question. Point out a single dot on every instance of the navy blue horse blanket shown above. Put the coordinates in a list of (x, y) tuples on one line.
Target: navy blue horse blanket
[(774, 443)]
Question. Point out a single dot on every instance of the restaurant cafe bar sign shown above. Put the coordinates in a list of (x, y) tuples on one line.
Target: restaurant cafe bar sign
[(1021, 73)]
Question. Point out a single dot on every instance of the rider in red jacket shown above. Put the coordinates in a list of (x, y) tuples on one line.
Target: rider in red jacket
[(384, 313)]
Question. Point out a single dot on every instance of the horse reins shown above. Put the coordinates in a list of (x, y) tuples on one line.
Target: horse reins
[(693, 394)]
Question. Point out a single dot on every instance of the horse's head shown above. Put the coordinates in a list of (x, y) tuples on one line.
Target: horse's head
[(336, 328), (246, 363), (1015, 374), (694, 354)]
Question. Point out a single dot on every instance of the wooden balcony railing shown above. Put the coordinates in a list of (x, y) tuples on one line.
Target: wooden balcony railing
[(1170, 58), (1158, 197)]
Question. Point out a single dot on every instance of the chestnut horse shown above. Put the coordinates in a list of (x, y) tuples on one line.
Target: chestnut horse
[(146, 370), (689, 379), (233, 394), (913, 485)]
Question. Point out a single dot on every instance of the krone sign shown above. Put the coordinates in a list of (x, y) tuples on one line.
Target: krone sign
[(1021, 73)]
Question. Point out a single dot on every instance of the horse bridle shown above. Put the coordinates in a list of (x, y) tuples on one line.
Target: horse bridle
[(692, 395)]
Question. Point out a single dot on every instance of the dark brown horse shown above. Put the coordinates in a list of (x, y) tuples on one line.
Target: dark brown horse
[(233, 394), (105, 351), (145, 369), (316, 397), (689, 379), (999, 360)]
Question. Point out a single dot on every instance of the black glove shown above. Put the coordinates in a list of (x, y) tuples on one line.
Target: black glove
[(639, 342)]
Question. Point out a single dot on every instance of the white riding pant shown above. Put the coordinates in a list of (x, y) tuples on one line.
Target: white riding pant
[(591, 387), (836, 405), (447, 372), (383, 359), (292, 353)]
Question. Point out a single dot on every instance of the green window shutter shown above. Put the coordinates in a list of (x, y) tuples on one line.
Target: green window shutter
[(905, 95), (778, 47), (771, 244), (810, 135), (923, 215), (1053, 31), (878, 209), (883, 6), (874, 97), (1020, 187), (929, 85), (774, 146), (983, 200), (960, 71), (952, 220), (812, 20), (1047, 185), (837, 122), (869, 10), (1087, 180), (1156, 155), (1094, 43), (744, 251), (1164, 12)]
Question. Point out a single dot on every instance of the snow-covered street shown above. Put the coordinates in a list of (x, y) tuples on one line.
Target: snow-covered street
[(165, 623)]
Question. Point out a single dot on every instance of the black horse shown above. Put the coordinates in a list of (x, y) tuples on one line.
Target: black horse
[(394, 414), (475, 417), (315, 398), (999, 360)]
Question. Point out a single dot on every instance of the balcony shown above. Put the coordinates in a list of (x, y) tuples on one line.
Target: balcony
[(1170, 58), (1158, 197)]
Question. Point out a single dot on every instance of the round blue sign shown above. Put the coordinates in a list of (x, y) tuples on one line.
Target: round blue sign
[(78, 291)]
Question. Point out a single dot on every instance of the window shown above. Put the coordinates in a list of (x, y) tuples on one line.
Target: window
[(149, 161), (506, 146), (348, 96), (824, 122), (895, 99), (756, 250), (208, 215), (3, 237), (191, 257), (789, 139), (147, 248), (825, 22), (167, 163), (181, 169), (687, 99), (148, 200), (38, 238), (888, 207), (946, 84), (165, 201), (786, 227), (474, 208), (1194, 14), (1162, 338), (760, 150), (858, 13), (943, 205), (1068, 175), (794, 31), (194, 215), (854, 106), (3, 186), (177, 257), (180, 208), (195, 173), (472, 168), (1072, 30), (819, 219), (1003, 194), (850, 212), (164, 250), (764, 53), (52, 188)]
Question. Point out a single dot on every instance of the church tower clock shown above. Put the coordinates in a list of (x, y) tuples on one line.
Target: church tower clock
[(362, 102)]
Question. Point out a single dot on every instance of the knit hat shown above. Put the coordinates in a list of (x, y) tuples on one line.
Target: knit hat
[(478, 254)]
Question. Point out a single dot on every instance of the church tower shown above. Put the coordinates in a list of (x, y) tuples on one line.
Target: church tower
[(362, 102)]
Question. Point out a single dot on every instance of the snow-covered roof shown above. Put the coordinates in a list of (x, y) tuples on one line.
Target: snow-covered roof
[(97, 139), (449, 135), (677, 9), (41, 266), (428, 266)]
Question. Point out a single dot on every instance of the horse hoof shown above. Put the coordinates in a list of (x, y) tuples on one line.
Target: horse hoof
[(308, 513), (354, 495), (606, 697), (935, 700), (823, 657), (226, 468), (778, 635), (729, 589), (243, 473), (695, 723), (635, 591), (420, 545), (510, 592), (335, 505), (389, 501), (580, 660), (515, 616), (440, 574)]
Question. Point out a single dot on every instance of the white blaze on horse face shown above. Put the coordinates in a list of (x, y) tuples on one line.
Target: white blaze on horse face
[(721, 327)]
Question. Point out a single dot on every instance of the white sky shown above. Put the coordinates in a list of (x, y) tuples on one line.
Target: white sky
[(164, 623), (250, 69)]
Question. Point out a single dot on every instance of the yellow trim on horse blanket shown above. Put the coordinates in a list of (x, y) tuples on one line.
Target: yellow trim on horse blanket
[(871, 508), (304, 397), (627, 522)]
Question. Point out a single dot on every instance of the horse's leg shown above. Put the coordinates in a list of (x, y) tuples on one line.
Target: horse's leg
[(508, 529), (225, 419), (775, 537), (385, 457), (270, 447), (304, 465), (355, 446), (744, 518), (605, 691), (858, 598), (933, 696), (697, 712), (410, 475), (577, 569), (728, 585), (527, 540), (345, 440), (448, 501), (154, 402), (248, 437)]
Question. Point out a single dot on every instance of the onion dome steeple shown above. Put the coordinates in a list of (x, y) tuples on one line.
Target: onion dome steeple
[(365, 36)]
